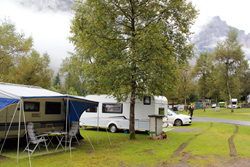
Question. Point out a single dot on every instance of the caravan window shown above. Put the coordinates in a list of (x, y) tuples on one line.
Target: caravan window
[(147, 100), (52, 108), (32, 106), (161, 111), (112, 108), (92, 109)]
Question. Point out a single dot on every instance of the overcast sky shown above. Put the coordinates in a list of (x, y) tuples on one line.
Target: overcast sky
[(50, 30), (235, 12)]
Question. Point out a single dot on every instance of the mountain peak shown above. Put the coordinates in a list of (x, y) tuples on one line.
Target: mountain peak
[(55, 5), (216, 31)]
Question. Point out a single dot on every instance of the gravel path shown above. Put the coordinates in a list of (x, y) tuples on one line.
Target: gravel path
[(227, 121)]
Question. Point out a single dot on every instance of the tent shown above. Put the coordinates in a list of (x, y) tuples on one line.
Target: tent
[(38, 105)]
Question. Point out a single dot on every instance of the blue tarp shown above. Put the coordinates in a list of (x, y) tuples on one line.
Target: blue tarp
[(4, 102), (77, 107)]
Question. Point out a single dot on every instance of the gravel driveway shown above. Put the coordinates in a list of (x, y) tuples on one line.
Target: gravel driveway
[(227, 121)]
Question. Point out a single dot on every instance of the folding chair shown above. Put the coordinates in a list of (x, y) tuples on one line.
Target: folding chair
[(34, 139), (50, 128), (73, 131), (71, 134)]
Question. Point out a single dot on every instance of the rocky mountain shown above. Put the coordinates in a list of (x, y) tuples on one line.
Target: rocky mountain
[(56, 5), (216, 31)]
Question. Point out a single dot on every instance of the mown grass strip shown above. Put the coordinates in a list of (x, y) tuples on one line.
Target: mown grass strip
[(242, 114)]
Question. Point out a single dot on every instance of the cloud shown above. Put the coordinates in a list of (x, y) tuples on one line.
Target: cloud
[(200, 22), (49, 29), (235, 13), (247, 53)]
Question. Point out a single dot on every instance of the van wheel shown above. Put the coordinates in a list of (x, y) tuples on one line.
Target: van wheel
[(178, 122), (112, 128)]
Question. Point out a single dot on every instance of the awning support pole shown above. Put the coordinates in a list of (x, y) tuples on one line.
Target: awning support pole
[(9, 126)]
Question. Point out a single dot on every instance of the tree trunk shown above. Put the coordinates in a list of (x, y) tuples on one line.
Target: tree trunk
[(132, 112), (228, 88), (216, 100), (204, 104), (185, 106), (230, 98), (133, 82)]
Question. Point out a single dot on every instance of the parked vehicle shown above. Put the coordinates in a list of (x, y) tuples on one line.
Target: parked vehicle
[(115, 115), (221, 104), (45, 108), (178, 119), (181, 107), (213, 105), (234, 103), (248, 98), (177, 107), (201, 105)]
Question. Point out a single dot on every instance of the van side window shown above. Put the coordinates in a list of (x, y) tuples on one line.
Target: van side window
[(32, 106), (112, 108), (52, 108), (92, 109)]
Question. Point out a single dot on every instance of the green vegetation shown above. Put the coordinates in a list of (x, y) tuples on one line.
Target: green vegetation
[(19, 62), (131, 48), (242, 114), (198, 144)]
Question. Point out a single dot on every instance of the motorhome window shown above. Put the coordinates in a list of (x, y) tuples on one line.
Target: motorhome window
[(112, 108), (147, 100), (32, 106), (92, 109), (161, 111), (52, 108)]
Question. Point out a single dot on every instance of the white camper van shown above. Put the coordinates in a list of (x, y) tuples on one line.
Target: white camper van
[(45, 108), (115, 115), (234, 102)]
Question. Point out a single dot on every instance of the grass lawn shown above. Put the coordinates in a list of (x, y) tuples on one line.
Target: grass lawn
[(198, 144), (242, 114)]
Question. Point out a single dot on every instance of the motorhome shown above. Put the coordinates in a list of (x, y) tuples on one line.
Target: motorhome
[(234, 103), (115, 115), (20, 104), (248, 98)]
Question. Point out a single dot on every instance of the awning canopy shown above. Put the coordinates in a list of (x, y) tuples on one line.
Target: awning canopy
[(5, 102), (11, 94), (77, 105)]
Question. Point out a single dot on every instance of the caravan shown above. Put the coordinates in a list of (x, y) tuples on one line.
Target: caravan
[(20, 104), (234, 103), (115, 115)]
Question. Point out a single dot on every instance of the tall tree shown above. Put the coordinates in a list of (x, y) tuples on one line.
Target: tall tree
[(13, 45), (19, 63), (72, 70), (185, 83), (202, 70), (130, 47), (214, 83), (245, 80), (56, 84), (230, 58), (32, 69), (56, 80)]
